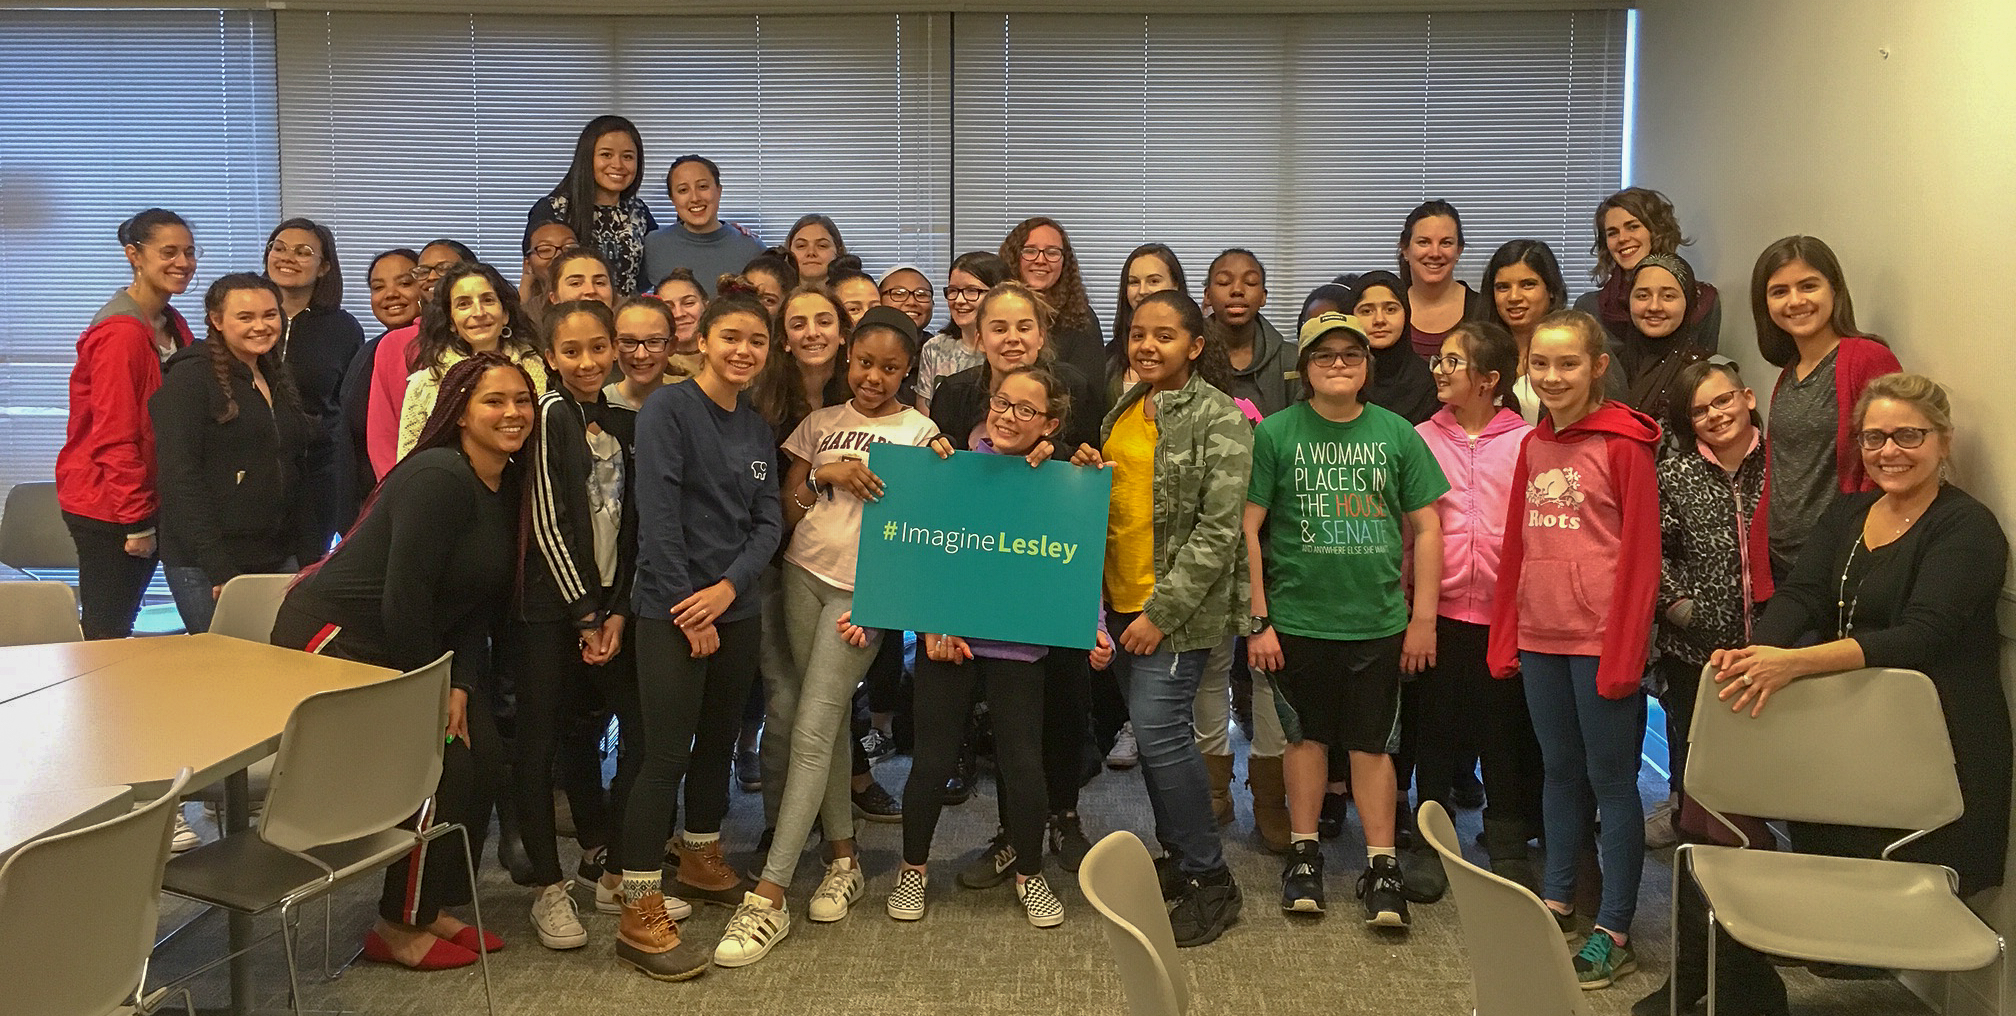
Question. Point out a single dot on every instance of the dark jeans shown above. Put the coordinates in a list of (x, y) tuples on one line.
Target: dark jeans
[(1161, 691), (1067, 691), (193, 600), (557, 696), (463, 795), (690, 712), (1015, 693), (110, 582)]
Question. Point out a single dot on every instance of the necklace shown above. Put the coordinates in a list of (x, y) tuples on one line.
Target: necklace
[(1844, 605)]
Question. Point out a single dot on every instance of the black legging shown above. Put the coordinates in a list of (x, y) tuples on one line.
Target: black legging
[(1016, 700), (1067, 693), (463, 795), (557, 695), (1683, 682), (110, 582), (691, 714), (1456, 704)]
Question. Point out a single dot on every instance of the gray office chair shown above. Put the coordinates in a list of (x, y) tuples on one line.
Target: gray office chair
[(1519, 963), (247, 606), (1118, 879), (354, 764), (32, 534), (1861, 748), (71, 951), (38, 613)]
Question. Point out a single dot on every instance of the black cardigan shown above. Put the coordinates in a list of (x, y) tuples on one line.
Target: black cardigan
[(318, 346), (1928, 605)]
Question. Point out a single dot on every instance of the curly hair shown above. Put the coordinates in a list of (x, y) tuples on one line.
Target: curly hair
[(1067, 295), (437, 335), (1649, 207)]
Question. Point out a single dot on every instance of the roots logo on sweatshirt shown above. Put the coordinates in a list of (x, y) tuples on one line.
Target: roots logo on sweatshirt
[(1555, 488)]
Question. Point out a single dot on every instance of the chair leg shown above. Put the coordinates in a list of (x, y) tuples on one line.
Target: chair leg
[(476, 907), (328, 943), (1672, 974), (290, 931), (1712, 961)]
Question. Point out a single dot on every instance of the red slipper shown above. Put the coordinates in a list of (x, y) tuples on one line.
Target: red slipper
[(442, 955), (466, 938)]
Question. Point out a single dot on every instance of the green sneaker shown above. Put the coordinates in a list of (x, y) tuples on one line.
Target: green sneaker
[(1602, 960)]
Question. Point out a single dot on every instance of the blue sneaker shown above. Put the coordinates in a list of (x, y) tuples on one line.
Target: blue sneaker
[(1602, 960)]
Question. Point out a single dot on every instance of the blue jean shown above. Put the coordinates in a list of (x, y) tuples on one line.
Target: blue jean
[(193, 600), (1588, 743), (1161, 691)]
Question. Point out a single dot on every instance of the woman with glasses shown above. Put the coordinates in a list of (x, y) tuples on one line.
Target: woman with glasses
[(393, 363), (105, 470), (317, 343), (643, 352), (1806, 325), (905, 288), (958, 346), (1038, 254), (598, 199), (1906, 575), (543, 242)]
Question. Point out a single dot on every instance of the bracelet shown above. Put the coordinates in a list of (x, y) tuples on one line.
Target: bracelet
[(802, 505)]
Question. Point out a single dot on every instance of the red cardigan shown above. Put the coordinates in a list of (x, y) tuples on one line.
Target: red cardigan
[(1857, 362), (106, 468)]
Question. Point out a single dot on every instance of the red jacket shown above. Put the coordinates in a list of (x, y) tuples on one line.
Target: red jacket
[(1579, 575), (106, 468), (1857, 362)]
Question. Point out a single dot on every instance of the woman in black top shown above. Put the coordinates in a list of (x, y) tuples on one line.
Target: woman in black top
[(317, 342), (231, 444), (430, 567), (1903, 576), (1038, 255)]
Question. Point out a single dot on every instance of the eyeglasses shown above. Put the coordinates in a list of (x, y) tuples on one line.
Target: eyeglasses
[(1333, 357), (906, 295), (964, 294), (1042, 253), (421, 273), (1021, 410), (549, 251), (651, 345), (1447, 363), (176, 253), (1723, 403), (1906, 437), (299, 250)]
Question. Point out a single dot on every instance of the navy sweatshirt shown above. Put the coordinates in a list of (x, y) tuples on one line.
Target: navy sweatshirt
[(707, 505)]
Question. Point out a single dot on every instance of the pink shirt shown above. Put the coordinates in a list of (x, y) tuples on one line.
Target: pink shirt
[(389, 372)]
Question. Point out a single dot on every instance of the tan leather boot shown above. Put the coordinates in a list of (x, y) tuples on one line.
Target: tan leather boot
[(705, 876), (647, 938), (1220, 768), (1270, 801)]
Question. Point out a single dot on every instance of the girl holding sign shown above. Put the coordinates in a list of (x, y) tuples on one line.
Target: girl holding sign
[(1181, 451), (825, 488)]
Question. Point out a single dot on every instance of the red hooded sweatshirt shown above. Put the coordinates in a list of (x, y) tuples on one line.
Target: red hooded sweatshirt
[(105, 470), (1579, 575)]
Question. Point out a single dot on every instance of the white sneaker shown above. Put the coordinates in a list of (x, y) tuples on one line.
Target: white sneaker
[(556, 920), (756, 927), (1659, 826), (906, 901), (1126, 753), (185, 838), (837, 891), (1041, 905)]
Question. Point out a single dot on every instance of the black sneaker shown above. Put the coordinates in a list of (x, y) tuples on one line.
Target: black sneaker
[(1384, 894), (749, 771), (876, 805), (877, 745), (1302, 879), (1169, 874), (993, 866), (589, 871), (1330, 821), (1206, 905), (1067, 840)]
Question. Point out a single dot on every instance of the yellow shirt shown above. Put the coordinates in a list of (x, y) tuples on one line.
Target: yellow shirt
[(1130, 524)]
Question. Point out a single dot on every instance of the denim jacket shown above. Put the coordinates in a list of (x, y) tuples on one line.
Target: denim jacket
[(1203, 458)]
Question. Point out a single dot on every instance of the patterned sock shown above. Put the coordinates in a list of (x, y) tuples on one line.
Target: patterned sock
[(639, 884), (698, 840)]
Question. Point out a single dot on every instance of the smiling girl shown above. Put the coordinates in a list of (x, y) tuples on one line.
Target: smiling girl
[(598, 198), (1039, 255), (643, 352), (1662, 342), (318, 339)]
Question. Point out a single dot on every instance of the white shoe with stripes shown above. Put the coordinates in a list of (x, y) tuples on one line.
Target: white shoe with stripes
[(838, 890), (757, 926)]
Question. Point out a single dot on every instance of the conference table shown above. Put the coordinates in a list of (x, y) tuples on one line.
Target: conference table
[(82, 722)]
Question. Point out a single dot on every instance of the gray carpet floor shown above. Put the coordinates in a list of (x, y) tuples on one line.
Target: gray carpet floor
[(974, 954)]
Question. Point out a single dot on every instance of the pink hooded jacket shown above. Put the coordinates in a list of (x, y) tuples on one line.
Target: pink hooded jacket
[(1473, 512)]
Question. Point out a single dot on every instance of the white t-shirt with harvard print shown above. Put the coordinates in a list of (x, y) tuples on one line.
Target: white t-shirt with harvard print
[(826, 540)]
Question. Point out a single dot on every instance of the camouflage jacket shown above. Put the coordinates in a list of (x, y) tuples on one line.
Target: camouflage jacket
[(1203, 456)]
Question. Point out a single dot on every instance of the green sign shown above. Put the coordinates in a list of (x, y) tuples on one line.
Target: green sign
[(983, 546)]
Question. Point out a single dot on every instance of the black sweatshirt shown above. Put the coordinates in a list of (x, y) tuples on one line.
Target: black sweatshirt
[(960, 404), (707, 506), (230, 492), (430, 568), (352, 446), (318, 346), (562, 580)]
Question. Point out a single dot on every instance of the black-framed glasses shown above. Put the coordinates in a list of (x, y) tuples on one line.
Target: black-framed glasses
[(1446, 363), (1042, 253), (906, 295), (1021, 410), (964, 294), (1906, 437), (650, 345), (1721, 403), (421, 273), (1332, 357), (549, 251), (299, 250)]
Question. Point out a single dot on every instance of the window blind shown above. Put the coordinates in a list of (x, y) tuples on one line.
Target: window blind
[(396, 129), (1306, 138), (182, 118)]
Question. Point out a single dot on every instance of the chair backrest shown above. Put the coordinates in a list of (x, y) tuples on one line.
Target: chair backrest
[(78, 911), (1118, 879), (32, 534), (1519, 963), (1863, 747), (357, 761), (247, 606), (36, 613)]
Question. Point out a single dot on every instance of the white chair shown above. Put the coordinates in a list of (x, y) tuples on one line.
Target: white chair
[(247, 606), (78, 913), (354, 764), (1118, 879), (1861, 748), (1519, 963), (37, 613)]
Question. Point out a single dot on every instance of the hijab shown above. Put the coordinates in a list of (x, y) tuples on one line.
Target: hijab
[(1400, 380)]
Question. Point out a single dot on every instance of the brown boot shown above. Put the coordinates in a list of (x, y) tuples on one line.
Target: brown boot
[(705, 876), (1220, 768), (1270, 801), (647, 938)]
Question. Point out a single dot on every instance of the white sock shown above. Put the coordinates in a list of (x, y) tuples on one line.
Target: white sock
[(697, 840), (1301, 837), (1375, 853)]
